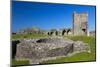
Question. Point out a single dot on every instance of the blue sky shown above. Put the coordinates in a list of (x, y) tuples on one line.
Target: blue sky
[(48, 16)]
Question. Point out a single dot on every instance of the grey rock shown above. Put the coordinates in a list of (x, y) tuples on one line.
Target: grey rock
[(79, 46), (38, 50)]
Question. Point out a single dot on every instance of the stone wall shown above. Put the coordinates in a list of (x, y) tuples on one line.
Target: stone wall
[(61, 32), (38, 50), (80, 26)]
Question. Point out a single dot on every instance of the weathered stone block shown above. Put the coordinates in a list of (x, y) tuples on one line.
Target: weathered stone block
[(38, 50)]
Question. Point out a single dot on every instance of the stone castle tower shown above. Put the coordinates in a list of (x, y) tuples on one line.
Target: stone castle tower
[(80, 26)]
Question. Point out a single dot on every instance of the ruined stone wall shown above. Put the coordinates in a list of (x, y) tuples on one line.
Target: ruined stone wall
[(60, 32), (80, 25), (38, 50)]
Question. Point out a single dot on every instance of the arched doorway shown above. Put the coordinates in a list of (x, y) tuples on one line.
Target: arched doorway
[(68, 31), (63, 32)]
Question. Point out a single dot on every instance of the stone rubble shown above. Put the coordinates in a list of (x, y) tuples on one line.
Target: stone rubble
[(38, 50)]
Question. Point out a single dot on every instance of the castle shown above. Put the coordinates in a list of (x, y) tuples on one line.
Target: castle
[(79, 27)]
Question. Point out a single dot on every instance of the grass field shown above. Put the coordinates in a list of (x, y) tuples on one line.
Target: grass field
[(75, 58), (27, 36), (23, 62)]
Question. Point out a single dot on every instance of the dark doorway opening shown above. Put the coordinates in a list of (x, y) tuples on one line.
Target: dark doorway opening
[(68, 31), (84, 30), (56, 33), (63, 32), (14, 47)]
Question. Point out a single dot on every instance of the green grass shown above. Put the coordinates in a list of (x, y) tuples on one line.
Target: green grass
[(21, 36), (21, 62), (80, 56), (90, 40)]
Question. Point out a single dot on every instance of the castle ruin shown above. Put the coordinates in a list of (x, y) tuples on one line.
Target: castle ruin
[(80, 26)]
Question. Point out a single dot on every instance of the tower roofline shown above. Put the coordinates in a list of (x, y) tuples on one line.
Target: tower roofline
[(80, 12)]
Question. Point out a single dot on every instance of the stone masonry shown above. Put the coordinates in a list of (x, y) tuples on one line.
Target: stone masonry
[(80, 26), (38, 50)]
